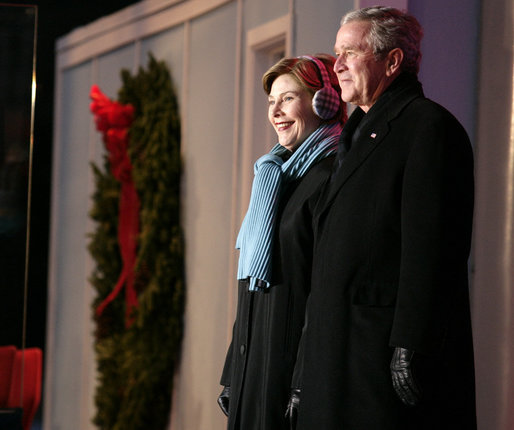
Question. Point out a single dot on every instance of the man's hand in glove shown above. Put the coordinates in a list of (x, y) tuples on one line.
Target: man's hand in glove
[(292, 407), (404, 382), (224, 399)]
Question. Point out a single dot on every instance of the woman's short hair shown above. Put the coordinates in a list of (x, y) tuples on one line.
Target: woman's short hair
[(391, 28), (308, 76)]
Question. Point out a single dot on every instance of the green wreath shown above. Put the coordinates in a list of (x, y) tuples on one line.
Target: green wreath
[(136, 364)]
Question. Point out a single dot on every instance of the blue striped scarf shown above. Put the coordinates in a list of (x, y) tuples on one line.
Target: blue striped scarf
[(255, 239)]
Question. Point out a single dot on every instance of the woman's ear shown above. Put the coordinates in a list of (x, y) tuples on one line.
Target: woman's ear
[(394, 61)]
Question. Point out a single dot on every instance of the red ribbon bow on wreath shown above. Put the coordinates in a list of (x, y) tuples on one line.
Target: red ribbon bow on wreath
[(113, 120)]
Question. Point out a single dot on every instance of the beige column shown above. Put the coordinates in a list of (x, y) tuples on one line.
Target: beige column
[(493, 253)]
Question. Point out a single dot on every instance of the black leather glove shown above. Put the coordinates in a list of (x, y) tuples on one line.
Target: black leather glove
[(292, 407), (224, 399), (404, 382)]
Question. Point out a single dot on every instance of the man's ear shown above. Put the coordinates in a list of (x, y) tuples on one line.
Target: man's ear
[(393, 61)]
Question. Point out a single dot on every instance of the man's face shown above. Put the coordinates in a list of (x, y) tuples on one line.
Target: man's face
[(362, 78)]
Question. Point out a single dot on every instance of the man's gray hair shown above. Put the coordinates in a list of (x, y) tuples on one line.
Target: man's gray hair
[(391, 28)]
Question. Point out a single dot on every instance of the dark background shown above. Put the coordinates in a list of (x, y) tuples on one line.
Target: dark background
[(55, 19), (16, 61)]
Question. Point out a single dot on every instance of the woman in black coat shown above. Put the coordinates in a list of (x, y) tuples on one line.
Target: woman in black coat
[(275, 242)]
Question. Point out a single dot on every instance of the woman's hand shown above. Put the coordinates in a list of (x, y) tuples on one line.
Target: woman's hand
[(224, 400), (292, 407)]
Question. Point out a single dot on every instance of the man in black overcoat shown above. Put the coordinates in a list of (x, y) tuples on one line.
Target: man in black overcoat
[(387, 343)]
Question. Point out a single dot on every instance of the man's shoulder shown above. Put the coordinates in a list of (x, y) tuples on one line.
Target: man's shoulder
[(428, 108), (424, 117), (422, 112)]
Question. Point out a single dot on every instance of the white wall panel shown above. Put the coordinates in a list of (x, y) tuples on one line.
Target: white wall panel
[(108, 75), (316, 26), (207, 175), (70, 296), (259, 12), (167, 46)]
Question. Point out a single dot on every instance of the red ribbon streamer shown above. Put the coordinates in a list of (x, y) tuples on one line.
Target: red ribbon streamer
[(113, 120)]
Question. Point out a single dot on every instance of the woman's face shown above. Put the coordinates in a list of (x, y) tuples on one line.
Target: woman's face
[(290, 112)]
